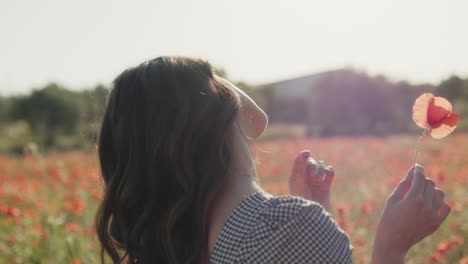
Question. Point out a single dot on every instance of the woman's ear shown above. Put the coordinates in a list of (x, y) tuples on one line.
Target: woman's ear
[(252, 120)]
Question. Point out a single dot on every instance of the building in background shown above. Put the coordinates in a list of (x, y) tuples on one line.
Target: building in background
[(341, 102)]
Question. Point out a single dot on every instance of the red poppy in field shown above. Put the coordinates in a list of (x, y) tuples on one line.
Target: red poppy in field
[(12, 211), (436, 113), (75, 206), (72, 227)]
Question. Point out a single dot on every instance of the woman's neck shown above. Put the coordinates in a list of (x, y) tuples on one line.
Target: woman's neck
[(242, 174), (241, 182)]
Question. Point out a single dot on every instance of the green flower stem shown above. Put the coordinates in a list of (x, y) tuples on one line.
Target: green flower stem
[(418, 146)]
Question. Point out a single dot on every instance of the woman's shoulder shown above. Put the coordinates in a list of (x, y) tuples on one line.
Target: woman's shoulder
[(291, 229), (283, 209), (292, 213)]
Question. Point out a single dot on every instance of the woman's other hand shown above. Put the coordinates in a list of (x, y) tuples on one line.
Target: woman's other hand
[(311, 180), (413, 211)]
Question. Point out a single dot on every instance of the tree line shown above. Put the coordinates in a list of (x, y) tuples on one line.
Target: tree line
[(352, 103)]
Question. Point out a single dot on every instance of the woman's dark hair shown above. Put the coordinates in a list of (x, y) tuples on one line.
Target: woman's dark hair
[(164, 154)]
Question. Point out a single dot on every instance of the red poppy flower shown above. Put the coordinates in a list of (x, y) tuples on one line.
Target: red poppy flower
[(435, 112), (72, 227)]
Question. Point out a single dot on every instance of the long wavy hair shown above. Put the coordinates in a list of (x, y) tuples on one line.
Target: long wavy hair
[(164, 155)]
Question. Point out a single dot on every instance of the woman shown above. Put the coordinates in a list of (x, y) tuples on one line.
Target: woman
[(181, 184)]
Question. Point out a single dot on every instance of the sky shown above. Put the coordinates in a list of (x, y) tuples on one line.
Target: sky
[(82, 43)]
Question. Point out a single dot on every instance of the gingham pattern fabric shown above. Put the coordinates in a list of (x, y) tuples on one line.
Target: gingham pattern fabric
[(285, 229)]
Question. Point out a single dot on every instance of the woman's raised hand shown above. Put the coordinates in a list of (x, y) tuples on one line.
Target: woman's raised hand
[(311, 179), (413, 211)]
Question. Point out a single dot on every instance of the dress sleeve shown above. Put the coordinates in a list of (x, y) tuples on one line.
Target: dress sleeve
[(294, 230)]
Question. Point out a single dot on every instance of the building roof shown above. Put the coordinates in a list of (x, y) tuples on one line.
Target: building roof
[(296, 87), (303, 78)]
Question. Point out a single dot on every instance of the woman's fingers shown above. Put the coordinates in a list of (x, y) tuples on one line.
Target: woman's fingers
[(293, 176), (437, 200), (428, 195), (422, 187), (444, 211), (403, 187), (329, 174), (418, 183), (319, 172), (417, 215), (321, 169), (299, 175), (317, 169), (313, 168)]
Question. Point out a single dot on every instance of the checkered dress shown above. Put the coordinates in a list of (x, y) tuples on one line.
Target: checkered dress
[(288, 229)]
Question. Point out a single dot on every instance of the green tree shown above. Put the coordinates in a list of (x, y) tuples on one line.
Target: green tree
[(3, 109), (50, 111), (92, 106), (451, 88)]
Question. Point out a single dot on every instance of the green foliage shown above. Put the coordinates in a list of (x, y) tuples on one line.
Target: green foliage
[(49, 111), (453, 88), (53, 117)]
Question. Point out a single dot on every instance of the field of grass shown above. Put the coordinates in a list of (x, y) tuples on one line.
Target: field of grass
[(47, 202)]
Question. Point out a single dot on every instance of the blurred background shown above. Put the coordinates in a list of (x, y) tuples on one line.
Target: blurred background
[(329, 67), (336, 77)]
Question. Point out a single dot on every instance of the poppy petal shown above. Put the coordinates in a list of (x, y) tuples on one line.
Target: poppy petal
[(445, 127), (420, 108), (439, 108)]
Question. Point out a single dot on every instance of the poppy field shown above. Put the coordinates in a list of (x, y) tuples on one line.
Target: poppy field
[(48, 201)]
